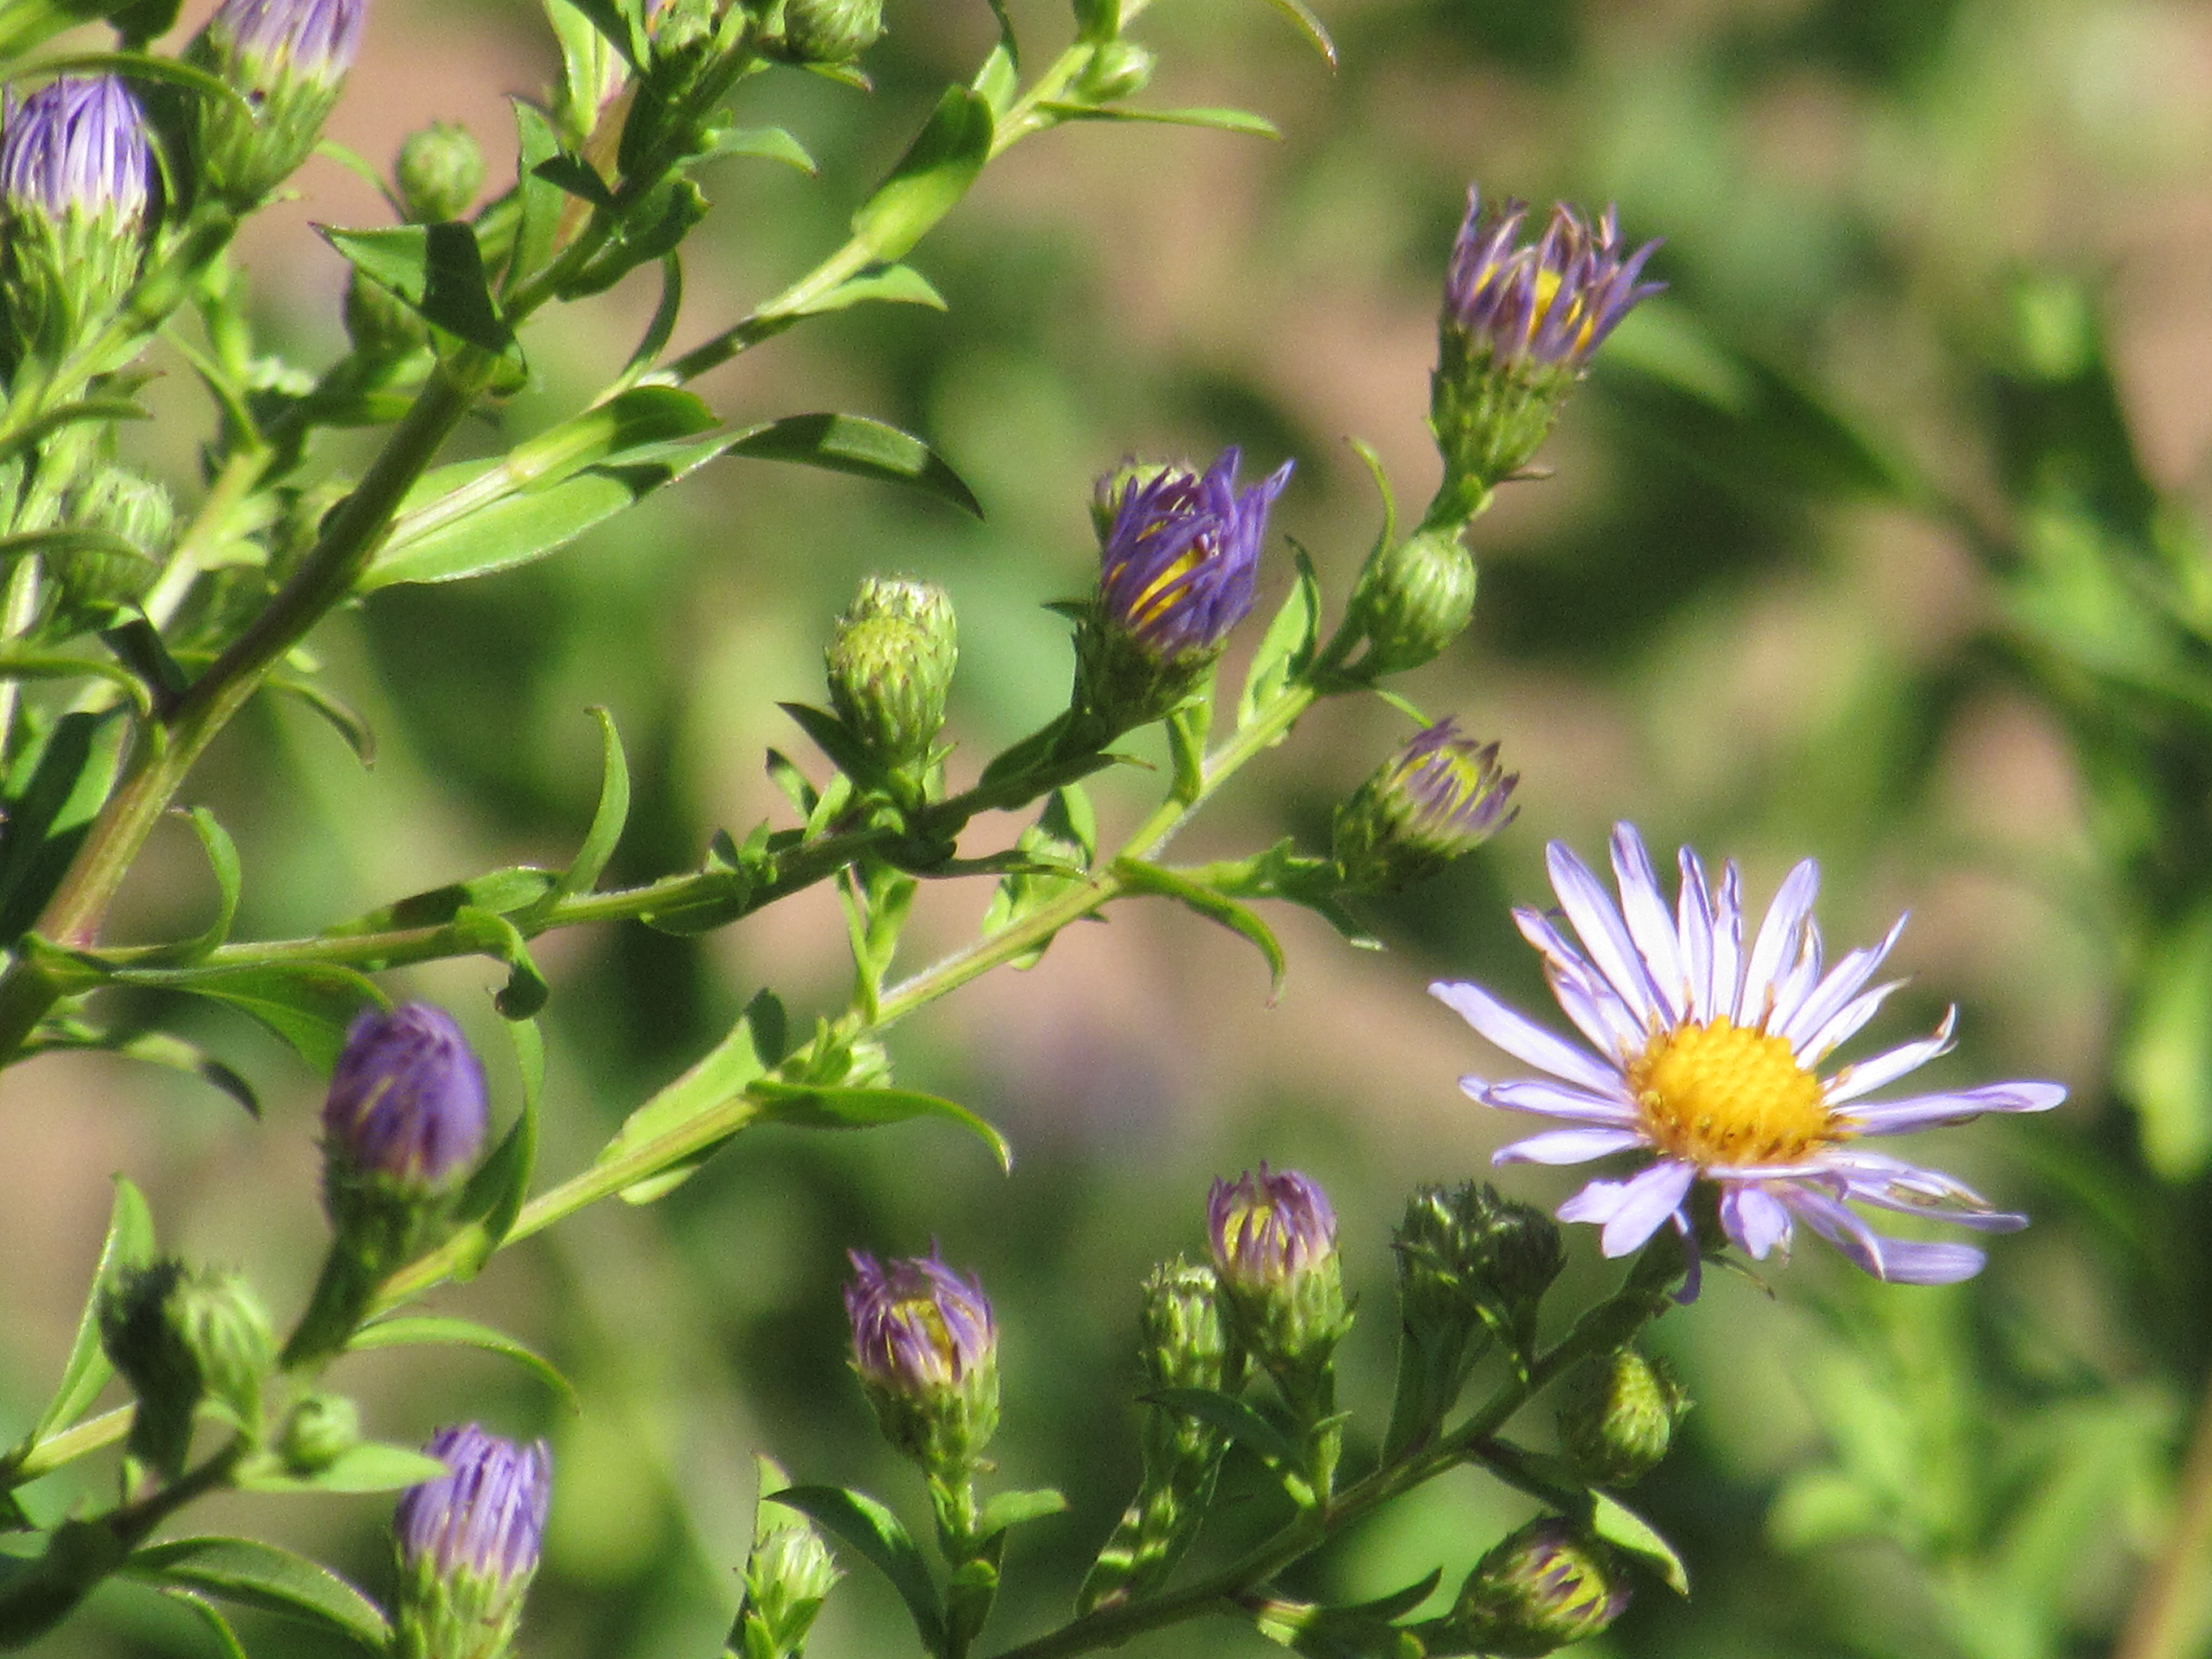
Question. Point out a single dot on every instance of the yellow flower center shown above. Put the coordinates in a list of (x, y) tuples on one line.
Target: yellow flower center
[(1547, 293), (1722, 1094)]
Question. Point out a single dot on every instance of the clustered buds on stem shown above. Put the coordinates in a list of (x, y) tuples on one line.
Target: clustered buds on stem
[(403, 1125), (1179, 568), (186, 1338), (925, 1345), (1274, 1237), (1519, 323), (288, 59), (1439, 796), (467, 1543), (75, 191), (1617, 1414), (891, 664), (1541, 1588)]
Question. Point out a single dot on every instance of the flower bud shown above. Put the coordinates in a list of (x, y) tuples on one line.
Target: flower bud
[(890, 665), (1440, 796), (407, 1107), (184, 1337), (1184, 1342), (1413, 599), (788, 1575), (1617, 1415), (317, 1432), (288, 58), (1518, 328), (1117, 69), (1542, 1587), (1179, 568), (467, 1543), (76, 188), (828, 31), (439, 172), (92, 583), (1274, 1237), (925, 1345)]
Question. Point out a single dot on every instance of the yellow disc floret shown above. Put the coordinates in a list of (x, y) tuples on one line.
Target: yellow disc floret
[(1722, 1094)]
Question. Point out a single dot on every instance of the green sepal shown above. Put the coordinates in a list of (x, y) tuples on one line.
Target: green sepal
[(1554, 1481)]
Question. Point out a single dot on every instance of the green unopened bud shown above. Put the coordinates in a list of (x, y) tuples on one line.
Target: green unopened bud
[(92, 583), (828, 31), (890, 665), (1467, 1256), (1617, 1417), (1185, 1344), (439, 172), (1439, 797), (76, 193), (1414, 599), (287, 59), (185, 1338), (317, 1432), (1117, 69), (1544, 1587), (788, 1575)]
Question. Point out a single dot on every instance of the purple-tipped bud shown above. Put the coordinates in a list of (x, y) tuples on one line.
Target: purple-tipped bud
[(1439, 796), (78, 146), (1541, 1588), (926, 1345), (468, 1545), (75, 188), (1179, 568), (407, 1102), (1519, 323), (1273, 1237), (288, 58)]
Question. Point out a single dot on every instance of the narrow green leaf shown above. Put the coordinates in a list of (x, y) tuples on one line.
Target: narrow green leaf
[(768, 143), (1224, 120), (436, 270), (655, 341), (883, 1540), (343, 718), (491, 934), (539, 201), (372, 1465), (223, 859), (1138, 877), (47, 818), (34, 432), (257, 1575), (826, 1108), (419, 1330), (1238, 1421), (139, 647), (1013, 1509), (855, 444), (932, 176), (143, 66), (1310, 26), (129, 1244), (493, 1198), (42, 666), (153, 1048), (219, 1627), (69, 539), (608, 818), (308, 1006), (1621, 1526), (891, 285), (502, 892), (721, 1074), (1286, 650), (576, 176), (834, 739)]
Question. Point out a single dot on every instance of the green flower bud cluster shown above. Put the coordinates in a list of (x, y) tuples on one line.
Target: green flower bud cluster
[(186, 1338), (1617, 1415), (891, 664)]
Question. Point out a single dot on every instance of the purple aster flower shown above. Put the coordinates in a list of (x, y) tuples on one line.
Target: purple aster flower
[(468, 1543), (1269, 1229), (1704, 1052), (76, 147), (407, 1102), (269, 42), (917, 1325), (1442, 794), (1181, 558), (926, 1348), (1549, 304)]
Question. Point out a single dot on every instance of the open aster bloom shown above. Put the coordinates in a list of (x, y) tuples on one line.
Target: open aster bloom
[(1704, 1052), (1549, 303)]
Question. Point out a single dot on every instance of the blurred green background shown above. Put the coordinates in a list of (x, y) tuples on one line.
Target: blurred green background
[(1937, 293)]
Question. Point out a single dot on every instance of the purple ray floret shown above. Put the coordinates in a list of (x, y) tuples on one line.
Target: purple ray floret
[(407, 1100), (1454, 782), (1549, 304), (1182, 561), (1268, 1228), (486, 1516), (316, 39), (917, 1325), (1706, 1042), (78, 143)]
